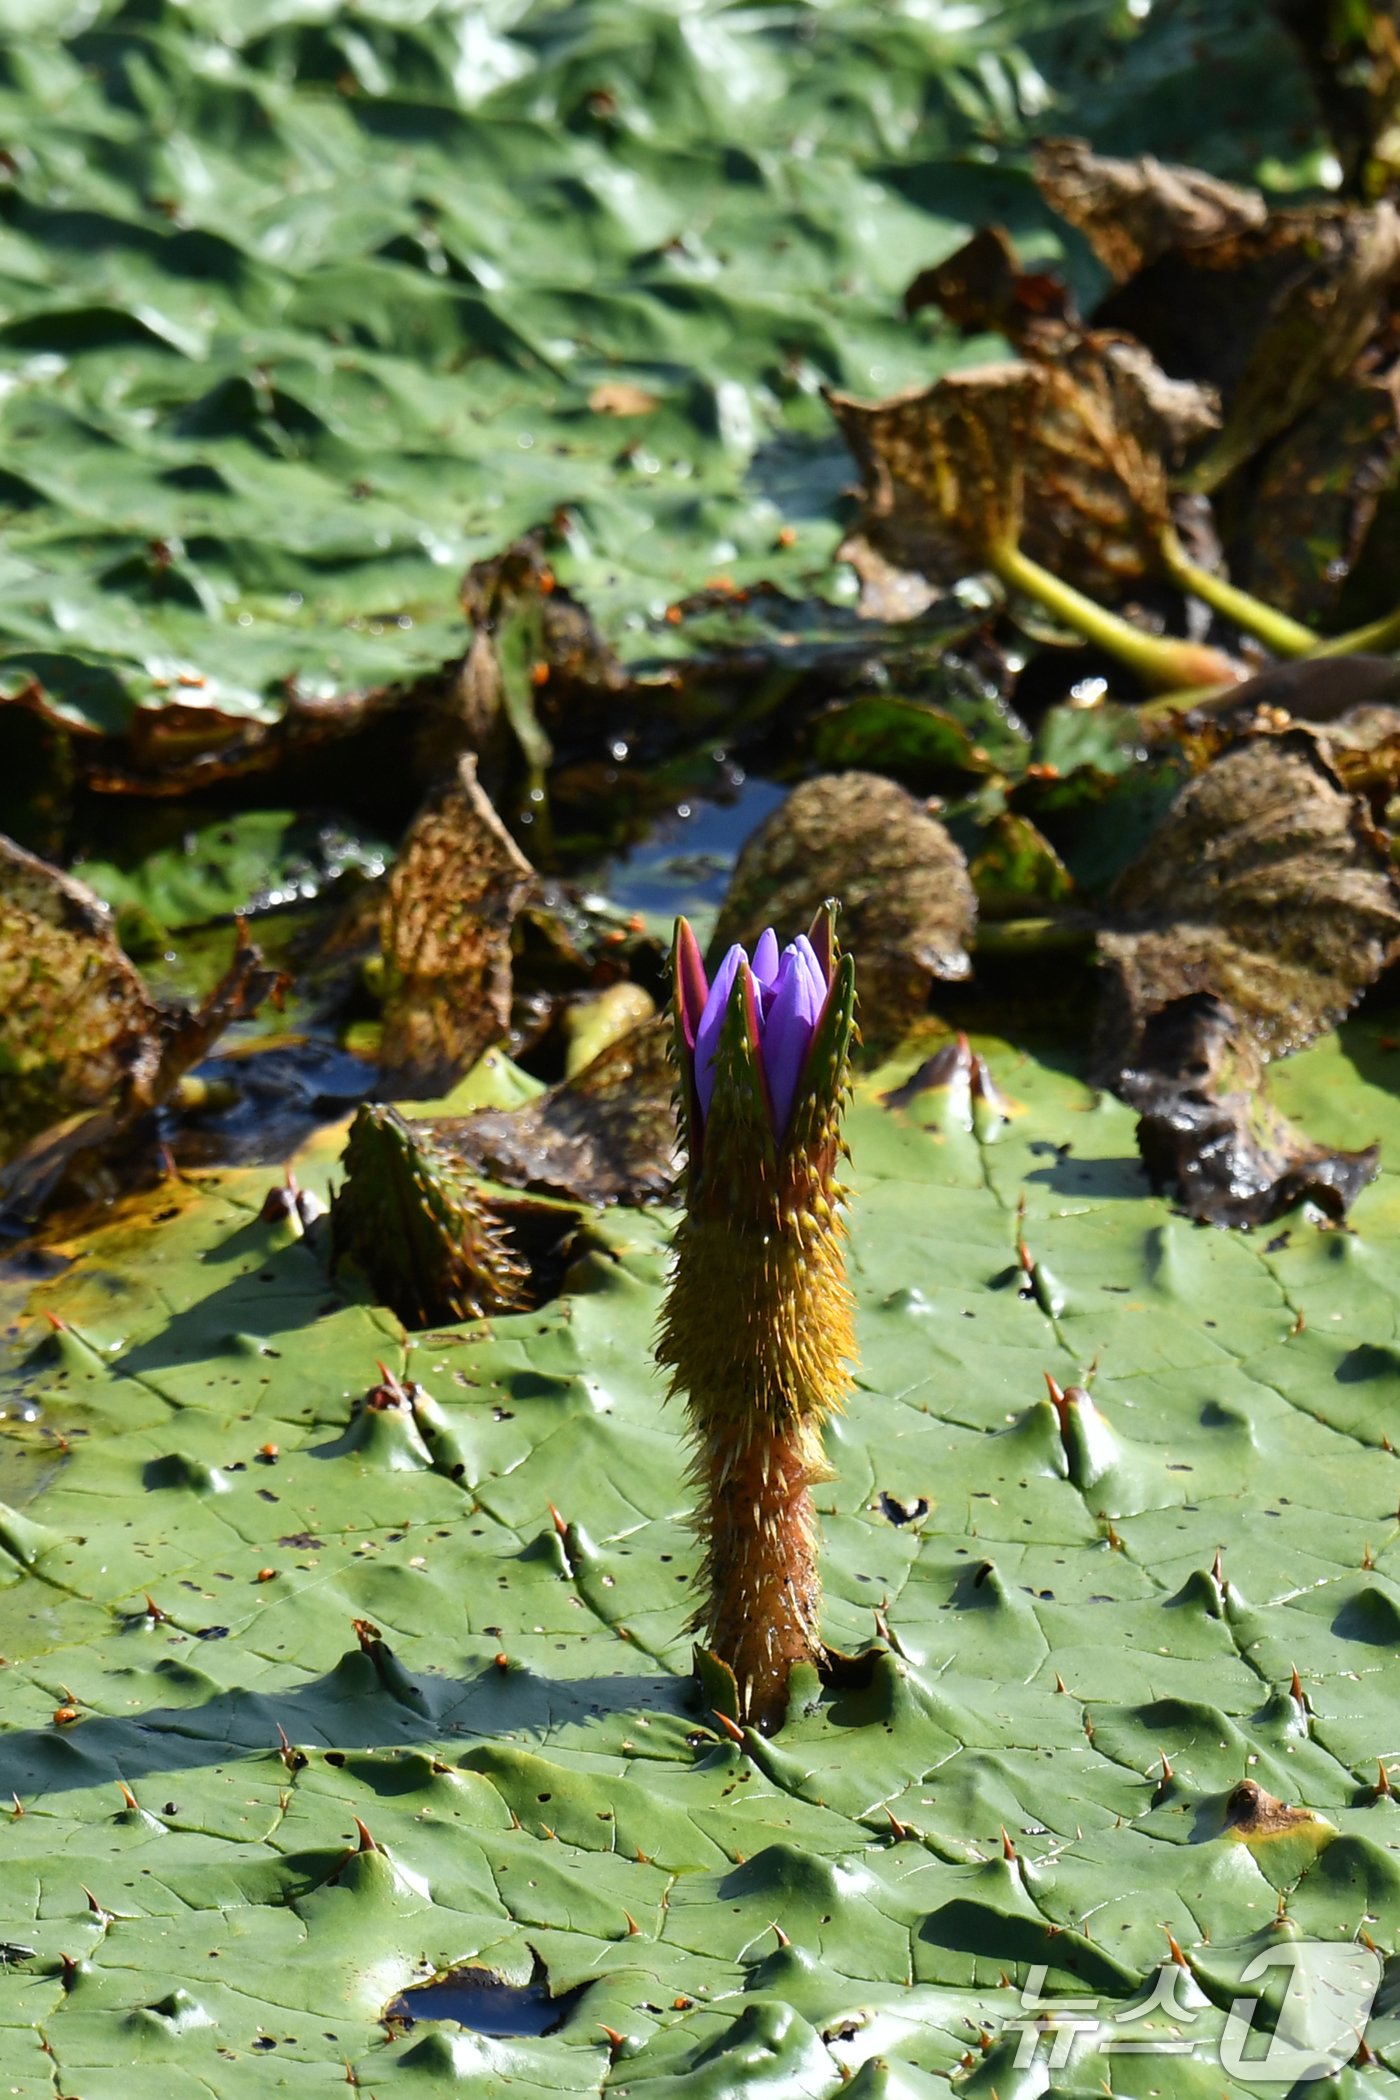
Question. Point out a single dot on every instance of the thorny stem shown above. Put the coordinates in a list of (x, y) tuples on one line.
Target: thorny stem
[(765, 1597), (756, 1330), (1160, 662)]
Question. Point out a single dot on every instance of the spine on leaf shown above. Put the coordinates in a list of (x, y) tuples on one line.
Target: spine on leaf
[(756, 1331)]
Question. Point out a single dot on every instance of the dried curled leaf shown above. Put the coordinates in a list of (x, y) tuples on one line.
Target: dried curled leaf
[(1064, 453), (445, 928), (1264, 885), (77, 1029), (605, 1136), (942, 471), (1209, 1132), (1132, 211), (414, 1222), (1261, 909), (1270, 315), (908, 908)]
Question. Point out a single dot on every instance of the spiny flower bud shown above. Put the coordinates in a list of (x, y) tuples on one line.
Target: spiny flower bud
[(410, 1216), (756, 1330)]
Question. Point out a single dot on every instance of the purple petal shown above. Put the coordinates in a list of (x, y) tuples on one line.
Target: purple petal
[(797, 1008), (802, 948), (765, 969), (711, 1022)]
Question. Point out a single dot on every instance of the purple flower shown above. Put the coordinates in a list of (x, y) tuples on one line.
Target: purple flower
[(786, 996)]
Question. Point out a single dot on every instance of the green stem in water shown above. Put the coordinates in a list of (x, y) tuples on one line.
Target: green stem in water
[(1276, 630), (1163, 664), (1377, 639), (1373, 640)]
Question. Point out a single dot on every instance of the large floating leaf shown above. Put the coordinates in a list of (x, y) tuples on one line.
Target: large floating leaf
[(1092, 1610), (304, 311)]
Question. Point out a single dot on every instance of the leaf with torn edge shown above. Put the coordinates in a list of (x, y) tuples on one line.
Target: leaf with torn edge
[(1267, 307), (1064, 453), (78, 1030), (84, 1049), (1265, 885), (1132, 211)]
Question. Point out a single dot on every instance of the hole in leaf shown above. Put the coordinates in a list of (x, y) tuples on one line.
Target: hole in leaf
[(485, 2002), (897, 1512)]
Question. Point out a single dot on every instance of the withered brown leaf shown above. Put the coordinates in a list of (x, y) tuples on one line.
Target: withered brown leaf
[(1208, 1131), (78, 1031), (605, 1136), (1132, 211), (84, 1049), (451, 901), (1064, 454), (1264, 885)]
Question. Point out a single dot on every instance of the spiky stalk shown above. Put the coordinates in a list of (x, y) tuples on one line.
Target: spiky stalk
[(756, 1330)]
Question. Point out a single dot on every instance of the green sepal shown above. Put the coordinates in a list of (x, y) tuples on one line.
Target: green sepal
[(719, 1690), (738, 1138)]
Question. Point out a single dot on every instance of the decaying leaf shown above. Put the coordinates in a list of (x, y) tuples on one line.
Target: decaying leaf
[(452, 898), (1065, 456), (418, 1227), (1346, 268), (1262, 907), (77, 1029), (1304, 522), (907, 905), (1264, 885), (84, 1049), (607, 1135), (1132, 211), (1268, 314), (1209, 1133), (982, 289), (942, 471)]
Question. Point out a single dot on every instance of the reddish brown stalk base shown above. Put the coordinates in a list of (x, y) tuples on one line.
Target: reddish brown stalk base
[(761, 1567)]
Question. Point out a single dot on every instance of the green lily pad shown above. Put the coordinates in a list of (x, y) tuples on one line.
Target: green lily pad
[(466, 1627)]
